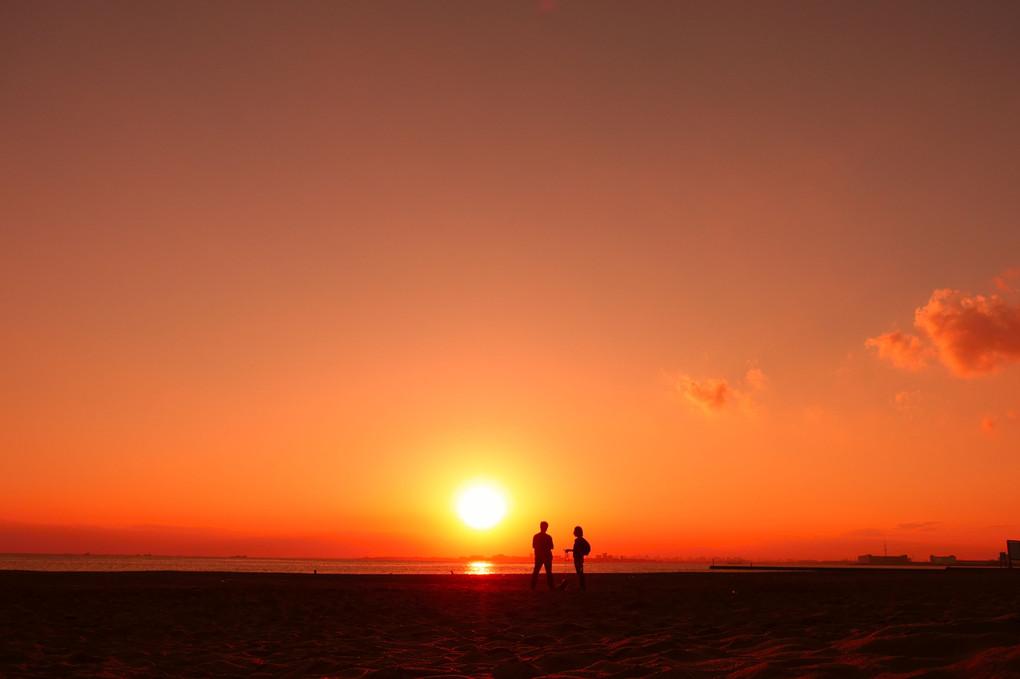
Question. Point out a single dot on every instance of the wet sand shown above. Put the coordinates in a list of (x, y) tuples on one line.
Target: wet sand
[(962, 623)]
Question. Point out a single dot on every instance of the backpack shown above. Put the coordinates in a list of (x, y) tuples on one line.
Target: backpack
[(583, 548)]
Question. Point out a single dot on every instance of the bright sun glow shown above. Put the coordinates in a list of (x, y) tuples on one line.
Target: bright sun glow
[(481, 506), (479, 568)]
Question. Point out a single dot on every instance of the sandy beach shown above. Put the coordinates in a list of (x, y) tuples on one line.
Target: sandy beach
[(826, 624)]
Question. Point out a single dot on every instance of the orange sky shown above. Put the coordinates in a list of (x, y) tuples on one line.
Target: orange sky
[(706, 278)]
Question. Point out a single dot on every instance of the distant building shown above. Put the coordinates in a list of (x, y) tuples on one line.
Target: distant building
[(872, 560), (1012, 552), (943, 560)]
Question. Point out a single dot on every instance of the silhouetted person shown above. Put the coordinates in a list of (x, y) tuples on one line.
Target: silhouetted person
[(543, 546), (581, 549)]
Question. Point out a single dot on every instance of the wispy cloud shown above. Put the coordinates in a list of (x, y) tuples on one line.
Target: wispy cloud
[(714, 394), (999, 421), (919, 525), (989, 424), (905, 351), (909, 402), (1008, 281), (864, 533), (756, 379), (711, 395)]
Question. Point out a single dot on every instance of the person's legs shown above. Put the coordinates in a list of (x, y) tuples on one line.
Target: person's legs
[(548, 571), (534, 573), (579, 567)]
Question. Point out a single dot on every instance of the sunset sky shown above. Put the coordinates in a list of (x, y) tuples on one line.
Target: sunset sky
[(707, 278)]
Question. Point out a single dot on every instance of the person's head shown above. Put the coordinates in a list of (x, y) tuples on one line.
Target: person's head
[(544, 526), (578, 531)]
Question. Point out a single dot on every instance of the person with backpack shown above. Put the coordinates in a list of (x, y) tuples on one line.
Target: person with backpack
[(581, 549)]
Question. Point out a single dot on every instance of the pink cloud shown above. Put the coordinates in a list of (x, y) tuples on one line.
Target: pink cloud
[(974, 335), (905, 351)]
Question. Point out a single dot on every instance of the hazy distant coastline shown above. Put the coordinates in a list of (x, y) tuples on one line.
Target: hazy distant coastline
[(472, 565)]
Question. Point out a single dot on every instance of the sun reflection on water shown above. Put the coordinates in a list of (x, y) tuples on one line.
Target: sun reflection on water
[(479, 568)]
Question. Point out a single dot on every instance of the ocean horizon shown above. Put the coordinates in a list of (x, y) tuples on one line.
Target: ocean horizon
[(359, 566)]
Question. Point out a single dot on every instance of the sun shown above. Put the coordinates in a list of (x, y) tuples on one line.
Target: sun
[(481, 505)]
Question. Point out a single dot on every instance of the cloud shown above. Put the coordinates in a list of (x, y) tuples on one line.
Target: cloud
[(905, 351), (1009, 280), (714, 395), (756, 379), (864, 533), (919, 525), (711, 395), (989, 424), (909, 402), (995, 422), (972, 335), (905, 397)]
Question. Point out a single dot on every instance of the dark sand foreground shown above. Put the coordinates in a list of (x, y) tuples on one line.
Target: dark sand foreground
[(828, 624)]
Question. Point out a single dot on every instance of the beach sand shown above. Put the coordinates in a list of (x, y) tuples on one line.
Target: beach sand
[(962, 623)]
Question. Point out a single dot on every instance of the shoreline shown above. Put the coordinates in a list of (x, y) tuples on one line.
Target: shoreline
[(853, 623)]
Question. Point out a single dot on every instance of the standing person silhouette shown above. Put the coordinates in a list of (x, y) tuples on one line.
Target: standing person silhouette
[(580, 549), (542, 543)]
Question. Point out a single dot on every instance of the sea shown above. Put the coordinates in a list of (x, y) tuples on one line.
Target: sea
[(241, 564)]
